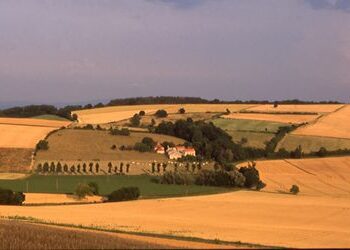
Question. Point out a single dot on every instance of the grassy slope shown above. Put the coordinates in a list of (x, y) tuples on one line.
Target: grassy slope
[(74, 144), (257, 132), (313, 143), (50, 117), (248, 125), (107, 184)]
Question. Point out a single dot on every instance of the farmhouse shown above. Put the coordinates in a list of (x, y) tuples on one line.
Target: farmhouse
[(159, 149), (177, 152)]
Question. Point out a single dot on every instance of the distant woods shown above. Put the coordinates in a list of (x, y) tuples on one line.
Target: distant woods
[(65, 112)]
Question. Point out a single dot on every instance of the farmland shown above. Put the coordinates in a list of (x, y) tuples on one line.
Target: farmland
[(316, 177), (334, 125), (31, 236), (248, 125), (118, 113), (76, 144), (313, 143), (280, 118), (296, 108), (15, 159), (107, 184), (255, 217)]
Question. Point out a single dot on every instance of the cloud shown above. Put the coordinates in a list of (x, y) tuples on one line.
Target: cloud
[(181, 4), (343, 5)]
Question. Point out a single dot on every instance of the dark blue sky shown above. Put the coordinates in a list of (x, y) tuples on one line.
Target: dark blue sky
[(83, 50)]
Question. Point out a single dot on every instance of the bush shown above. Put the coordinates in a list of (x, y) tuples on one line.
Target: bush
[(124, 194), (94, 187), (8, 197), (322, 152), (252, 177), (142, 113), (123, 131), (182, 111), (161, 113), (42, 145), (294, 190), (220, 178), (135, 121), (82, 190), (178, 178)]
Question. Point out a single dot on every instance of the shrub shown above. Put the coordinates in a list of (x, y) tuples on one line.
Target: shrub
[(182, 111), (252, 177), (161, 113), (322, 152), (82, 190), (94, 188), (123, 131), (135, 121), (294, 189), (124, 194), (142, 113), (8, 197), (179, 178), (220, 178), (42, 145)]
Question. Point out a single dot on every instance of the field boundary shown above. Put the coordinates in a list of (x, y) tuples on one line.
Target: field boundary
[(145, 234)]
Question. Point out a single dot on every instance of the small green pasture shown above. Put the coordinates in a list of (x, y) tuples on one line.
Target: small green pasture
[(107, 184), (255, 139), (313, 143), (248, 125), (50, 117)]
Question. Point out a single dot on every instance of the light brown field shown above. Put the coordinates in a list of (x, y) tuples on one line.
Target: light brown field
[(118, 113), (246, 216), (316, 177), (15, 159), (36, 198), (336, 124), (34, 122), (312, 108), (25, 133), (294, 119), (12, 176), (17, 136)]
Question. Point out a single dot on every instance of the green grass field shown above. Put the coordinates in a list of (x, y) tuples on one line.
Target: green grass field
[(107, 184), (255, 139), (313, 143), (248, 125), (50, 117)]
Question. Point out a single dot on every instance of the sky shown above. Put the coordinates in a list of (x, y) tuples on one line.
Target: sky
[(71, 51)]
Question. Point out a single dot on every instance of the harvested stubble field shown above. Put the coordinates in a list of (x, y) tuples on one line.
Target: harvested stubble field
[(25, 133), (336, 124), (77, 144), (316, 177), (118, 113), (12, 176), (15, 159), (313, 143), (22, 235), (255, 217), (281, 118), (298, 108)]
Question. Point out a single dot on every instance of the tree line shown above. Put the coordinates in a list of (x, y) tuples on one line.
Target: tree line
[(65, 112)]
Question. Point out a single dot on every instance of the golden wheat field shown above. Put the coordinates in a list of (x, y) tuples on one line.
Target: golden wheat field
[(37, 198), (247, 216), (25, 133), (316, 177), (118, 113), (336, 124), (310, 108), (294, 119), (12, 176)]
